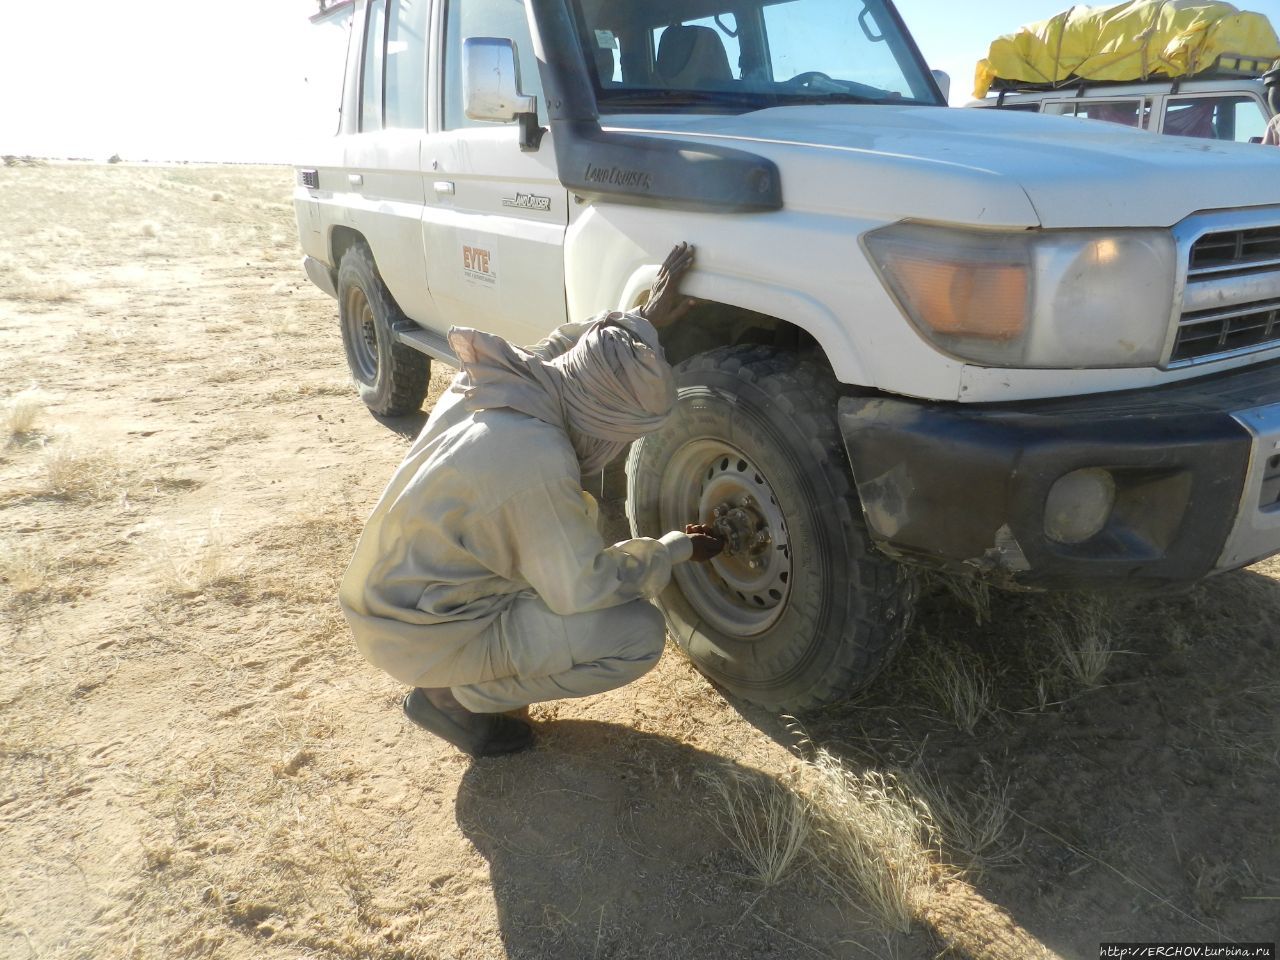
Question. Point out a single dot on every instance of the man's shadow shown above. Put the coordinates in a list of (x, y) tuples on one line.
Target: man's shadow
[(603, 842)]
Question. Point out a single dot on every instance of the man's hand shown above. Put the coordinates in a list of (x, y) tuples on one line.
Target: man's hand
[(705, 543), (665, 304)]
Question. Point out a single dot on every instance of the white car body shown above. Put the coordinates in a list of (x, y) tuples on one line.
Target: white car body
[(1053, 346), (846, 170)]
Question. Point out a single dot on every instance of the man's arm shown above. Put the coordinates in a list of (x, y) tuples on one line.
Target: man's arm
[(545, 538), (666, 304)]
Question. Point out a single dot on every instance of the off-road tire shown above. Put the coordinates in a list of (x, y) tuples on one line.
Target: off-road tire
[(849, 606), (390, 377)]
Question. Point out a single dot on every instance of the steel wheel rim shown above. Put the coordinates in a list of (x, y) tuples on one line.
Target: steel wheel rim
[(744, 592), (362, 335)]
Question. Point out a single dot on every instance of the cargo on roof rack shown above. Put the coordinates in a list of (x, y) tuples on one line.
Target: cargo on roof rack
[(1136, 41)]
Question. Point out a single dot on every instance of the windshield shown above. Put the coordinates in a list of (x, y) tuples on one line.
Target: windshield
[(738, 56)]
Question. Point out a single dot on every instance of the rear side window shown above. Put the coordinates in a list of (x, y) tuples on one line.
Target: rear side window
[(371, 67), (485, 18), (1127, 113), (406, 73), (1236, 118)]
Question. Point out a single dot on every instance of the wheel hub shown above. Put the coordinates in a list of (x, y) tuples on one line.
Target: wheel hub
[(744, 590), (362, 334)]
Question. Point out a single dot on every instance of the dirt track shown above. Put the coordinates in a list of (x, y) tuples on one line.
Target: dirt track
[(194, 762)]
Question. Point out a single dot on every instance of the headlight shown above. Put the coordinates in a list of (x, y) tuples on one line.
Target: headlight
[(1068, 298)]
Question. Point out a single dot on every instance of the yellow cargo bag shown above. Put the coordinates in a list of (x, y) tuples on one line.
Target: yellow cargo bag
[(1131, 41)]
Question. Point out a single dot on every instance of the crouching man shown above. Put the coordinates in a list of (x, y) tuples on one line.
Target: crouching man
[(480, 578)]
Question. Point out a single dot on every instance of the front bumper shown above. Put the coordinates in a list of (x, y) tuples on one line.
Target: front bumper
[(1196, 471)]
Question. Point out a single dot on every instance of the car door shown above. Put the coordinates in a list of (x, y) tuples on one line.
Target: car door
[(495, 218), (383, 152)]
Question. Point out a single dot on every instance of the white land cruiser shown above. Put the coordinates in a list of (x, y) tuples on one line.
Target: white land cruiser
[(976, 341)]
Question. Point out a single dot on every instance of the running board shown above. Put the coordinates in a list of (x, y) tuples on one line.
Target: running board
[(428, 342)]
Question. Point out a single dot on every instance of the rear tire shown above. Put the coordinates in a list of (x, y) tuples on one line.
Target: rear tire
[(391, 377), (805, 612)]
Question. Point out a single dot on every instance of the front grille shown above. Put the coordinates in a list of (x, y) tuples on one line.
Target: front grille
[(309, 179), (1231, 298), (1236, 252), (1215, 332)]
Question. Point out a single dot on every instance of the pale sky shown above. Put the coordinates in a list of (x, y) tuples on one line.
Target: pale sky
[(246, 80)]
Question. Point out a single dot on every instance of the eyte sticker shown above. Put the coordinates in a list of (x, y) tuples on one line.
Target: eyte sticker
[(479, 261)]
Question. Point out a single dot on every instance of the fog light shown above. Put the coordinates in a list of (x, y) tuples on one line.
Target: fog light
[(1078, 505)]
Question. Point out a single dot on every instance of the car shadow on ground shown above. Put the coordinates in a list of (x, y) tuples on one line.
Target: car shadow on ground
[(408, 426), (1138, 809)]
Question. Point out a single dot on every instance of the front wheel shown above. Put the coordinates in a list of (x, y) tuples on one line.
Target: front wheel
[(799, 610), (391, 377)]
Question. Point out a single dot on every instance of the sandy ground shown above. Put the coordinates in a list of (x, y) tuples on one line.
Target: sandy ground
[(194, 762)]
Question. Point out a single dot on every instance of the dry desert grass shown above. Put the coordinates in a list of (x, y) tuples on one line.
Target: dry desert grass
[(195, 763)]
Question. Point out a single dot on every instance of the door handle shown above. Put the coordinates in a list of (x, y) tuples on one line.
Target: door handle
[(444, 187), (355, 179)]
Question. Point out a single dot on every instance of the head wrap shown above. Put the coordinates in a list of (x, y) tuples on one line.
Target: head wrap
[(610, 387)]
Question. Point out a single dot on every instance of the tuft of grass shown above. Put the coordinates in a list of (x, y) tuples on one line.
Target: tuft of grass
[(21, 411), (31, 289), (285, 324), (1082, 637), (866, 835), (971, 593), (958, 684), (875, 841), (25, 567), (191, 565), (974, 825), (765, 822), (73, 473)]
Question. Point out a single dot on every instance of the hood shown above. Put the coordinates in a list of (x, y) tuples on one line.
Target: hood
[(985, 167)]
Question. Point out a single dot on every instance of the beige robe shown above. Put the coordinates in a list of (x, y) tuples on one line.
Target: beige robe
[(488, 509)]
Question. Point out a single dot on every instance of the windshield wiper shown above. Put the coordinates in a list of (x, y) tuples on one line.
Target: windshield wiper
[(801, 99), (682, 98)]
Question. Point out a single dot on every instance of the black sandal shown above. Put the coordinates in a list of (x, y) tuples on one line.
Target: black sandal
[(475, 734)]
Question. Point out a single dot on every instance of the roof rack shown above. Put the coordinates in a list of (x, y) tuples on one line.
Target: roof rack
[(1229, 66)]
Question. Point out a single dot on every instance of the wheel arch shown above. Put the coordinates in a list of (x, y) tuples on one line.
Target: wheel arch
[(342, 239), (731, 310)]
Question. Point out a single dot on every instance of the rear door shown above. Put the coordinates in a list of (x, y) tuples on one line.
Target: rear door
[(495, 216), (383, 152)]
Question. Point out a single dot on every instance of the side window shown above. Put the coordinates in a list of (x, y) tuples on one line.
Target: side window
[(1127, 113), (407, 65), (371, 68), (486, 18), (1237, 118)]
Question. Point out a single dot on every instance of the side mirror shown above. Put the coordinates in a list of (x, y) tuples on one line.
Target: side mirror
[(491, 87), (943, 80)]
